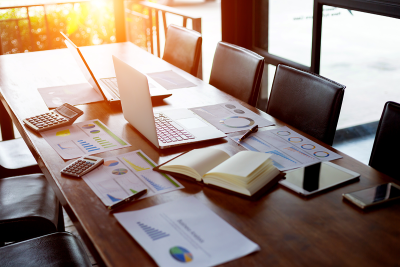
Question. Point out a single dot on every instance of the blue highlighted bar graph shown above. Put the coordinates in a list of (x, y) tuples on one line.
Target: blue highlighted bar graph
[(245, 145), (155, 185), (280, 154), (153, 233), (87, 146)]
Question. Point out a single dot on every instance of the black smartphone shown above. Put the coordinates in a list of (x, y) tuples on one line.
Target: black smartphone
[(373, 196)]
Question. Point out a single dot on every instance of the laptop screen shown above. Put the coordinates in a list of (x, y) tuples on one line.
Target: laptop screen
[(83, 66)]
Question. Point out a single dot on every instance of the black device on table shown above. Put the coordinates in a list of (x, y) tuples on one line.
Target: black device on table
[(64, 115), (317, 177), (83, 165), (374, 195)]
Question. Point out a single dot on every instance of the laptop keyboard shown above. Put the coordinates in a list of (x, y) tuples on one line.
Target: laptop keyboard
[(169, 131), (112, 84)]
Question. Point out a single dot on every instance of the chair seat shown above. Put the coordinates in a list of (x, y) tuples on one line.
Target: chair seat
[(58, 249), (28, 208), (16, 159)]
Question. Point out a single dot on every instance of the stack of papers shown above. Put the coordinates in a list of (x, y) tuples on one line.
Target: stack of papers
[(127, 174), (185, 233)]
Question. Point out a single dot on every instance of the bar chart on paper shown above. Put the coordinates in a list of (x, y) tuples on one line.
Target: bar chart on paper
[(83, 138)]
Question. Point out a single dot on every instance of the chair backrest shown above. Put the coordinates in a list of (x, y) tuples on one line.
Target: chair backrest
[(384, 156), (307, 101), (237, 71), (183, 48)]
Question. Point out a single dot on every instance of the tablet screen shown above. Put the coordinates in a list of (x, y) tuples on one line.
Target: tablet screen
[(317, 177)]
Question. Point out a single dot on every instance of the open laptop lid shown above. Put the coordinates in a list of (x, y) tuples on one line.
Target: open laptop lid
[(83, 66), (136, 100)]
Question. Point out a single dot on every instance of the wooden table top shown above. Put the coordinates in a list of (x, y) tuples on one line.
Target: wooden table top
[(292, 231)]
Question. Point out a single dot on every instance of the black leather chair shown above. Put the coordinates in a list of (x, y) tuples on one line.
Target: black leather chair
[(16, 159), (237, 71), (306, 101), (58, 249), (385, 156), (28, 208), (183, 48)]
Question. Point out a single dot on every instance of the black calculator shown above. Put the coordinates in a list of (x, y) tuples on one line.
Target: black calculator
[(64, 115), (83, 165)]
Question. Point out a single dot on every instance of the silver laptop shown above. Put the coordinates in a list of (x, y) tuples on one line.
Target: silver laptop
[(164, 129), (107, 87)]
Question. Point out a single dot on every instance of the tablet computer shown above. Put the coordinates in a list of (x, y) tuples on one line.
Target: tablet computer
[(317, 177)]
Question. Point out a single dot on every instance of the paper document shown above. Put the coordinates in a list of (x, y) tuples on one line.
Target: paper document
[(185, 233), (170, 80), (75, 94), (84, 138), (231, 117), (127, 174), (289, 149)]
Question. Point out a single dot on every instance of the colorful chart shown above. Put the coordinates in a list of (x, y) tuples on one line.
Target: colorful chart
[(94, 131), (295, 139), (63, 133), (283, 133), (87, 146), (135, 167), (153, 233), (155, 185), (308, 146), (181, 254), (119, 171), (113, 199), (110, 163), (103, 143), (88, 126), (233, 122), (60, 146), (321, 154)]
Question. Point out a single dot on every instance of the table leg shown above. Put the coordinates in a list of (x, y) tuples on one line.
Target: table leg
[(7, 130)]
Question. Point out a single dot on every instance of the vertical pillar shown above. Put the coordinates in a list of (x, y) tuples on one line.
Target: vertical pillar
[(119, 15)]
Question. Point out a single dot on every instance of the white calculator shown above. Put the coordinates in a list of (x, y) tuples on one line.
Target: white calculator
[(83, 165), (64, 115)]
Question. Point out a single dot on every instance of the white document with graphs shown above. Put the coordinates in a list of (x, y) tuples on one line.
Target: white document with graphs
[(288, 148), (185, 232), (83, 138), (231, 117)]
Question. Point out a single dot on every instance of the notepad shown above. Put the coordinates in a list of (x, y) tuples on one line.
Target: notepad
[(245, 173)]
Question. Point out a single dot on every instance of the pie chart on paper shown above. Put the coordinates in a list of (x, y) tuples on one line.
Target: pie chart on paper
[(237, 122), (181, 254), (119, 171), (88, 126), (110, 163), (63, 133)]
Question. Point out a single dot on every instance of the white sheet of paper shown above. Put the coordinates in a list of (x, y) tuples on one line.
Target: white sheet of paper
[(185, 232), (231, 117), (84, 138), (74, 94), (289, 149), (126, 174)]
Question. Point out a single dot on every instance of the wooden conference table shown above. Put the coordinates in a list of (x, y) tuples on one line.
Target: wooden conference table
[(291, 230)]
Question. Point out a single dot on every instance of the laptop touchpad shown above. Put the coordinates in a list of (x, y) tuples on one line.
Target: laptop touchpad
[(191, 123)]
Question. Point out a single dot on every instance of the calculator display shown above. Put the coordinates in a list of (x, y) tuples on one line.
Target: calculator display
[(66, 111), (91, 160)]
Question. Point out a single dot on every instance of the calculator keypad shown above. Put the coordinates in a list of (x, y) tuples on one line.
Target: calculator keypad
[(47, 120), (77, 167)]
